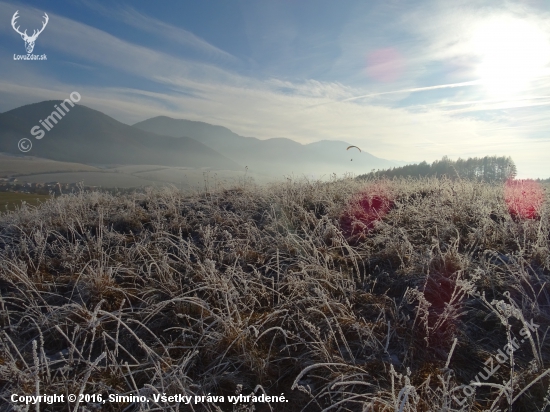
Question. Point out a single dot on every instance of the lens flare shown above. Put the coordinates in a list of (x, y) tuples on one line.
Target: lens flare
[(524, 198), (364, 210), (385, 65)]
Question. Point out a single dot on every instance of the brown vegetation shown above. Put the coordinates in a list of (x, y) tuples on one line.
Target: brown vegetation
[(255, 289)]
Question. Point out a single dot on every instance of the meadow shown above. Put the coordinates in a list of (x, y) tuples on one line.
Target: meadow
[(38, 170), (12, 200), (27, 165), (441, 302)]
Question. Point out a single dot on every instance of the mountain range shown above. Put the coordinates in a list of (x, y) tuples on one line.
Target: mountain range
[(273, 155), (84, 135), (88, 136)]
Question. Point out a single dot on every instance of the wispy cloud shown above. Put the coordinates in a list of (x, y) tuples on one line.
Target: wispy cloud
[(169, 33), (412, 90)]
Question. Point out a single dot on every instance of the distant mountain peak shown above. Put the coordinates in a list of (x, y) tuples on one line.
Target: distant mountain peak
[(278, 154), (85, 135)]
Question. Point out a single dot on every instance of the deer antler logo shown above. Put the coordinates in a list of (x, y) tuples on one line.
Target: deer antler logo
[(29, 40)]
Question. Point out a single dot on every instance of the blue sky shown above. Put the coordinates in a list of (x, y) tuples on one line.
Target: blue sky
[(403, 80)]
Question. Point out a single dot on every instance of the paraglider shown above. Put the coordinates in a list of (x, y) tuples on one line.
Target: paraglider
[(349, 147)]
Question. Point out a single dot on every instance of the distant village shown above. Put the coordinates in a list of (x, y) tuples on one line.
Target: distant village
[(12, 184)]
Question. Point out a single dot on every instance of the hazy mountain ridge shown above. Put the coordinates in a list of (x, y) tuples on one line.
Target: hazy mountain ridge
[(88, 136), (270, 154), (85, 135)]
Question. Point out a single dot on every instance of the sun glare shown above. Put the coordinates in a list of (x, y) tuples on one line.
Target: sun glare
[(513, 52)]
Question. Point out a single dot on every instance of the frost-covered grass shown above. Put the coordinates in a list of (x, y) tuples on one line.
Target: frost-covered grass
[(249, 288)]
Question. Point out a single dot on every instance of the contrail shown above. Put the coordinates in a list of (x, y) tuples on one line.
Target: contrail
[(543, 74), (416, 89)]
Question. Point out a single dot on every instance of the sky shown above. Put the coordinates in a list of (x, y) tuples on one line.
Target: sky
[(403, 80)]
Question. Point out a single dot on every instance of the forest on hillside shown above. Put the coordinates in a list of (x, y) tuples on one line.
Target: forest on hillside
[(486, 169)]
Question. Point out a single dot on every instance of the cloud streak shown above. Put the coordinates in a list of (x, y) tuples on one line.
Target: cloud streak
[(412, 90), (170, 34)]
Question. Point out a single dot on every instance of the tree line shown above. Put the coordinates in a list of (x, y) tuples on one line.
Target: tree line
[(488, 169)]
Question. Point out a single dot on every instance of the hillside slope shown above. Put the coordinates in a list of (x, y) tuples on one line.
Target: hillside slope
[(85, 135)]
